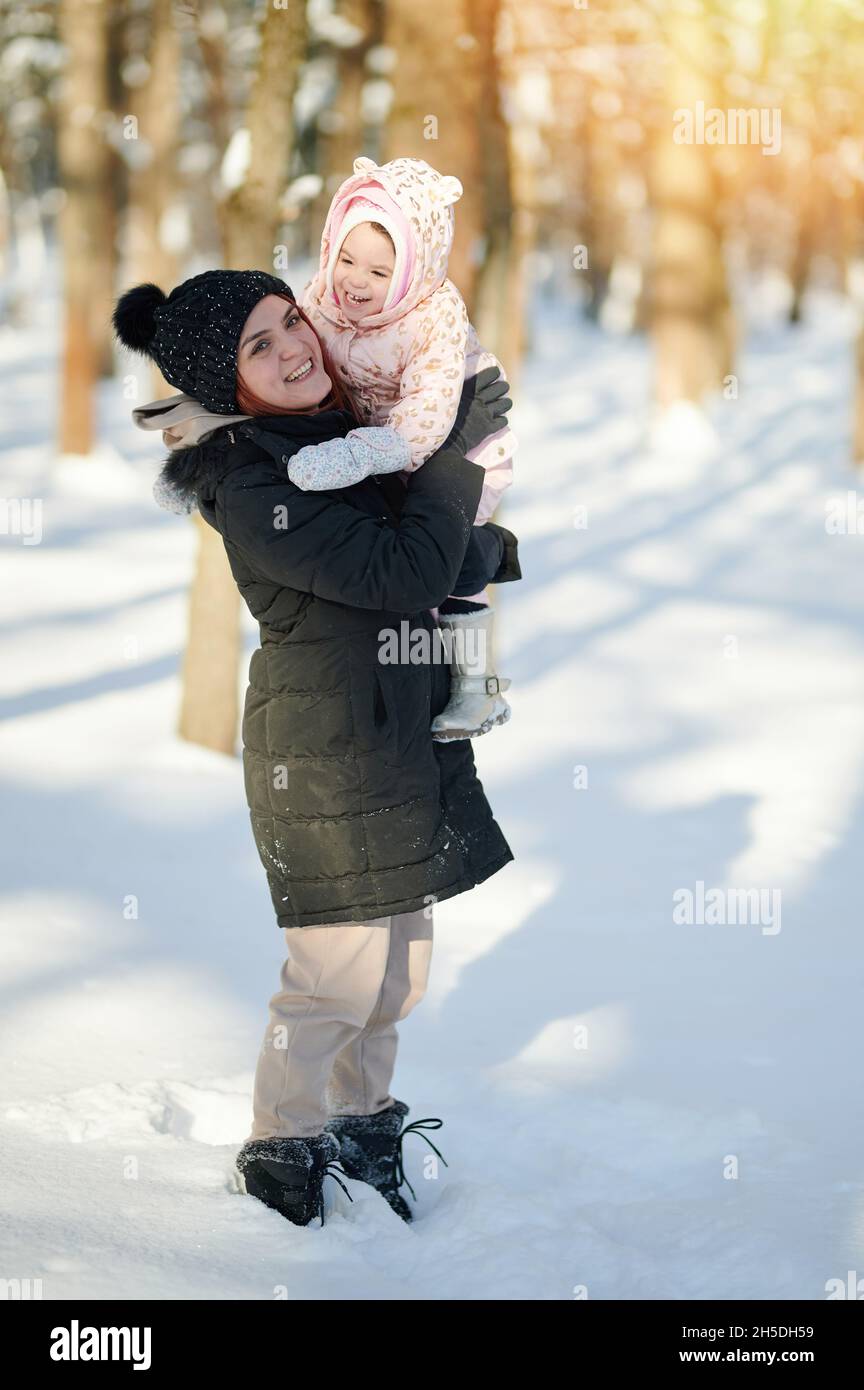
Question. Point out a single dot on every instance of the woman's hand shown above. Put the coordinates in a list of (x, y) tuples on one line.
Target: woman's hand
[(482, 410)]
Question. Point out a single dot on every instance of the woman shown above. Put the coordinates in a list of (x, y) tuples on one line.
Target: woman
[(361, 820)]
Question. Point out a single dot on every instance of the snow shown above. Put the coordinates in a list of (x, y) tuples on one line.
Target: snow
[(235, 160), (696, 649)]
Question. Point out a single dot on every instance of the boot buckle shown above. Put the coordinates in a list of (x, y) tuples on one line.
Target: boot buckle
[(493, 685)]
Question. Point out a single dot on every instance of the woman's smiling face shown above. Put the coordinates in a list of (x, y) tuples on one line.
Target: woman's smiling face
[(279, 357)]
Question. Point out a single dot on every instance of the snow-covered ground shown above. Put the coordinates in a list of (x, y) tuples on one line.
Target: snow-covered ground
[(633, 1107)]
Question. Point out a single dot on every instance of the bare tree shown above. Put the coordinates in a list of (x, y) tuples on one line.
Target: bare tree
[(437, 88), (500, 283), (691, 317), (251, 213), (250, 219), (853, 244), (153, 177), (341, 127), (85, 169)]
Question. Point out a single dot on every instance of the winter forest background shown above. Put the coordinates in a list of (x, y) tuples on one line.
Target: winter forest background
[(662, 237)]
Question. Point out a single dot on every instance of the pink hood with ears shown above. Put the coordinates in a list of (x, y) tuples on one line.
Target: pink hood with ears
[(419, 202)]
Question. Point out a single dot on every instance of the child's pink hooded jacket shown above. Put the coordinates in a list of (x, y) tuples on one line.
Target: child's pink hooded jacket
[(405, 366)]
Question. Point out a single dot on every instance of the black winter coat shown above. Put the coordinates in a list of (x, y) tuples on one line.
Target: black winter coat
[(356, 811)]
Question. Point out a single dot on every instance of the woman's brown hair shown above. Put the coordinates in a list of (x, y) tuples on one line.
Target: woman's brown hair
[(337, 397)]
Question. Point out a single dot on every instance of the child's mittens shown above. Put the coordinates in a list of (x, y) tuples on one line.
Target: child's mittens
[(339, 463)]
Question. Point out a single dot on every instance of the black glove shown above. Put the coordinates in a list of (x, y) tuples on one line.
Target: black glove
[(483, 560), (482, 410)]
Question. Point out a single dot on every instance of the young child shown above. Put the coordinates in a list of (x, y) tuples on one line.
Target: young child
[(398, 335)]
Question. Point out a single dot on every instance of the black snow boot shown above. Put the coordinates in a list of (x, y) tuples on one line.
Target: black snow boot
[(371, 1150), (288, 1174)]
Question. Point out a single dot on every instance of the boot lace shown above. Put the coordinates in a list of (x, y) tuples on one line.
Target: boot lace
[(331, 1170), (399, 1175)]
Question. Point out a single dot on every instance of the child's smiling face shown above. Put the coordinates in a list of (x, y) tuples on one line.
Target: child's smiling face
[(363, 271)]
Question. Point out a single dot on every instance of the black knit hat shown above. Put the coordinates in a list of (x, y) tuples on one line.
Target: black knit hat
[(193, 333)]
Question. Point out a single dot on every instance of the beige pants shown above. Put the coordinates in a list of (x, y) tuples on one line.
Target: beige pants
[(330, 1044)]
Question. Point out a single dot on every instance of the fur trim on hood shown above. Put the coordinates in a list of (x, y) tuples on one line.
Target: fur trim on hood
[(425, 199), (184, 423), (212, 444), (187, 469)]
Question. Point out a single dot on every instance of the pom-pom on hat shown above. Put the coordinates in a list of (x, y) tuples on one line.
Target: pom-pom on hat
[(193, 333)]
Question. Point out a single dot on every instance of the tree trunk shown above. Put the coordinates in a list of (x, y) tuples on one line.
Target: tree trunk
[(343, 138), (85, 167), (210, 29), (499, 296), (602, 170), (858, 421), (153, 187), (252, 211), (800, 269), (852, 244), (116, 194), (437, 90), (209, 712), (690, 311), (341, 134)]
